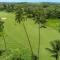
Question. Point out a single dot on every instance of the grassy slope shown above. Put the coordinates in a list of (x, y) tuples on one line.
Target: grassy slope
[(17, 38)]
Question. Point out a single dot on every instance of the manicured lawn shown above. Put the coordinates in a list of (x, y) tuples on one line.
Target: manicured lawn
[(16, 38)]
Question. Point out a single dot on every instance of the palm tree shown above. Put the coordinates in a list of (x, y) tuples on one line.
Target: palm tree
[(55, 49), (20, 16), (40, 18), (2, 32)]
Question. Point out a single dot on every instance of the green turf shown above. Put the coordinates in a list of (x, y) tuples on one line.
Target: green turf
[(16, 38)]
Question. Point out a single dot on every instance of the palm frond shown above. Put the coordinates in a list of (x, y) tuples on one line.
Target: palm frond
[(51, 50), (54, 55), (53, 45)]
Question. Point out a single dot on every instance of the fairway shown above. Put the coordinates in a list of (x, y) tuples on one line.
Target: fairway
[(16, 39)]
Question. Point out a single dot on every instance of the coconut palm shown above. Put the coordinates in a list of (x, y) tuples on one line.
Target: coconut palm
[(55, 49), (20, 16), (2, 33), (40, 18)]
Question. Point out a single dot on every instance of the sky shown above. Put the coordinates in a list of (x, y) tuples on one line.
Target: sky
[(29, 0)]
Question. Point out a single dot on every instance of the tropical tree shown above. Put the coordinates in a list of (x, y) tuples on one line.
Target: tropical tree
[(55, 50), (2, 34), (40, 18), (20, 16)]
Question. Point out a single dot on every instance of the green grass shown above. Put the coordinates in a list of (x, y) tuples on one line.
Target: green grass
[(16, 38), (54, 23)]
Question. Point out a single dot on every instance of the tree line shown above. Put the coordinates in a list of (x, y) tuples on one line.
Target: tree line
[(52, 10)]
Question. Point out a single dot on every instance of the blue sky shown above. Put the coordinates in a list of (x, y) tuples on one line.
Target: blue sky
[(29, 0)]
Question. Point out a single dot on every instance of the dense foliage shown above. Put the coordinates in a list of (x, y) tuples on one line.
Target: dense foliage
[(52, 10)]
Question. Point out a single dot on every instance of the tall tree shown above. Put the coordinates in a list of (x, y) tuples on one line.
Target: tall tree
[(20, 16), (2, 31), (40, 18)]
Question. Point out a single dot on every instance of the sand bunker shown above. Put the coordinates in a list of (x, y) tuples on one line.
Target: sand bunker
[(3, 18)]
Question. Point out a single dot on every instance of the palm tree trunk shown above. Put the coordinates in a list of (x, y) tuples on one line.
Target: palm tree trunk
[(57, 57), (39, 42), (28, 38), (4, 42)]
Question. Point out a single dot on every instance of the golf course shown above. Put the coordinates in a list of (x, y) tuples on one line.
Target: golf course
[(29, 31), (16, 39)]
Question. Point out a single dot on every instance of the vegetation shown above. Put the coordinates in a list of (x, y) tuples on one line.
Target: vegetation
[(55, 49), (30, 27), (2, 35)]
